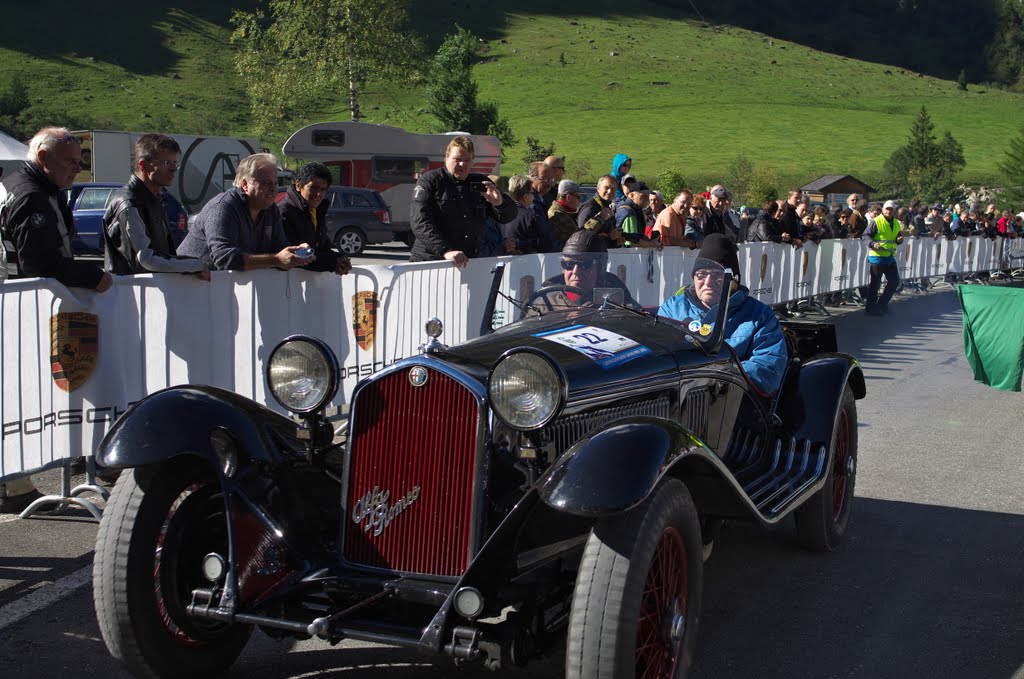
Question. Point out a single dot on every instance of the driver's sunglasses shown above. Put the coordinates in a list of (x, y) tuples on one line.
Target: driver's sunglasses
[(570, 264), (716, 276)]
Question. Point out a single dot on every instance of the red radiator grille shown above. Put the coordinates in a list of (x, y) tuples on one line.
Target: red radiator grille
[(407, 438)]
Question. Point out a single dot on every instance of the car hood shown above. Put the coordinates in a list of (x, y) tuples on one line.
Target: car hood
[(596, 348)]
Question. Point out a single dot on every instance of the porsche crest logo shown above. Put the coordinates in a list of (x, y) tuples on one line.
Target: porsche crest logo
[(364, 318), (74, 348)]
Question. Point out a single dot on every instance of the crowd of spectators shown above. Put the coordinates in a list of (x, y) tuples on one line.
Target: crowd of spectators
[(625, 212)]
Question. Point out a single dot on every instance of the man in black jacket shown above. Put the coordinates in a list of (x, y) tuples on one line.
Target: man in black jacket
[(449, 206), (35, 216), (136, 236), (304, 215)]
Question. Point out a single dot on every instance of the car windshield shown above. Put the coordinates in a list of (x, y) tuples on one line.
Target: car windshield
[(556, 284)]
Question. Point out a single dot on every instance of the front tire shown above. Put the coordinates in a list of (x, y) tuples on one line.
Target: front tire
[(636, 607), (157, 526), (822, 522)]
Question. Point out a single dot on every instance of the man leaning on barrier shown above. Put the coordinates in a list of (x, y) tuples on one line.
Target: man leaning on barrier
[(136, 234), (304, 216), (35, 217), (450, 205), (241, 228)]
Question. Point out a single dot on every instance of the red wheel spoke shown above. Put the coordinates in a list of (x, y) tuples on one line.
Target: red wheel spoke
[(664, 597)]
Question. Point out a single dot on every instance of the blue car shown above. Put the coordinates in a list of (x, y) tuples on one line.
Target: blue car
[(88, 202)]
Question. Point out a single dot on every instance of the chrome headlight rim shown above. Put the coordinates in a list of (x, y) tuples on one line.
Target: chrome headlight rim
[(561, 390), (333, 370)]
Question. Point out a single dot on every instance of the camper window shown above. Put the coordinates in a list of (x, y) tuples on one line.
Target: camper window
[(397, 169), (328, 138)]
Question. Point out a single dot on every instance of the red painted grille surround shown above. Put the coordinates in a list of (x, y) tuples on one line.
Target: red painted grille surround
[(403, 437)]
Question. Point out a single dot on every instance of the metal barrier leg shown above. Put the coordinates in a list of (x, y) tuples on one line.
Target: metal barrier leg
[(68, 496)]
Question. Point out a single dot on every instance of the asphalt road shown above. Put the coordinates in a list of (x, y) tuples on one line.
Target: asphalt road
[(928, 583)]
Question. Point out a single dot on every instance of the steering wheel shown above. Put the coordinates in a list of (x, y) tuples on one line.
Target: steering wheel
[(551, 289)]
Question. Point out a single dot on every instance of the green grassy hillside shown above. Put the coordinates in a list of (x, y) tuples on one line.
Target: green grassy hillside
[(676, 93)]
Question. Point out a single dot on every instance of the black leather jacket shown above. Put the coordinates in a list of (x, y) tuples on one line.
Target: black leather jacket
[(446, 215), (299, 228), (119, 253), (35, 217)]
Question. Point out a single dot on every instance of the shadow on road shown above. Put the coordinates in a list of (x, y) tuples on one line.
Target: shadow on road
[(916, 591)]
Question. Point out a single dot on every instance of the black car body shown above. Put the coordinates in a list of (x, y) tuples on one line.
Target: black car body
[(486, 496)]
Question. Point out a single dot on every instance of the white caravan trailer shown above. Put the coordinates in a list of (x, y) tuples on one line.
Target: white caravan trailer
[(386, 159), (207, 163)]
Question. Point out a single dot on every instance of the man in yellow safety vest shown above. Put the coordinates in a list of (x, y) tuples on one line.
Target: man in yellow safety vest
[(883, 235)]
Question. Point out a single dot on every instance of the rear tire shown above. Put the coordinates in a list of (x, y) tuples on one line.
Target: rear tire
[(636, 607), (822, 522), (350, 241), (157, 525)]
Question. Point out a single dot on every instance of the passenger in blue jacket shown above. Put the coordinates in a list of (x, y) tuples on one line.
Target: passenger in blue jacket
[(751, 328)]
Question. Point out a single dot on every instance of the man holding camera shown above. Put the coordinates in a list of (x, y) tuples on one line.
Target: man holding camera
[(450, 205)]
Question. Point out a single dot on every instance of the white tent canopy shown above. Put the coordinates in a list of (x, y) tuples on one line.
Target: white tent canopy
[(12, 153), (11, 148)]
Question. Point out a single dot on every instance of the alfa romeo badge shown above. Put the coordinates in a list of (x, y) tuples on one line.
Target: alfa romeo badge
[(417, 376)]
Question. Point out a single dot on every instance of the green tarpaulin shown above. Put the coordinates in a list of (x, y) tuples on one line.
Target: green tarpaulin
[(994, 334)]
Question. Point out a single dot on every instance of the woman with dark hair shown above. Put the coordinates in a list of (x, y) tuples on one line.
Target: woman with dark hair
[(304, 217)]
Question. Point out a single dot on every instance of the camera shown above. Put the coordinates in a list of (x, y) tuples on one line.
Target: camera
[(478, 187), (305, 253)]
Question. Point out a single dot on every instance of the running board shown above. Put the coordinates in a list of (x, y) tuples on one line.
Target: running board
[(774, 477)]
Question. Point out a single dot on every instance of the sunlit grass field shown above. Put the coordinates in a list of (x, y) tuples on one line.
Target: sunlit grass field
[(675, 94)]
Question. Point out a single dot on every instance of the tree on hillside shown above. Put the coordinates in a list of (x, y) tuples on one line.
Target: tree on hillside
[(923, 166), (535, 150), (1012, 168), (737, 178), (296, 56), (452, 94), (13, 104), (670, 182)]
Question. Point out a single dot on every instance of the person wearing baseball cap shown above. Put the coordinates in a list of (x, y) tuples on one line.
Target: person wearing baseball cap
[(583, 261), (630, 217), (882, 235), (562, 213), (751, 328)]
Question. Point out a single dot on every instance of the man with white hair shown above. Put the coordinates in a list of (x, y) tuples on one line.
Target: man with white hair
[(35, 216), (883, 235), (241, 229)]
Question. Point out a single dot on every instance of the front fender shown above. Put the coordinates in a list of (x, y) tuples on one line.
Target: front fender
[(615, 469), (179, 421)]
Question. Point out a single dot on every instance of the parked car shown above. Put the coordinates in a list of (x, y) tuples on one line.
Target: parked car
[(88, 202), (565, 470), (355, 218)]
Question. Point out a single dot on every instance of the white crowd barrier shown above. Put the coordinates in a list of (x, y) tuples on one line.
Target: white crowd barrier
[(74, 360)]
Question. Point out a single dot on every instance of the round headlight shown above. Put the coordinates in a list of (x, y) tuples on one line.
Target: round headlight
[(525, 390), (302, 374)]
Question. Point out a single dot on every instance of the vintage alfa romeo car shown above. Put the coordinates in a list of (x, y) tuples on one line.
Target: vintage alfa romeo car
[(562, 473)]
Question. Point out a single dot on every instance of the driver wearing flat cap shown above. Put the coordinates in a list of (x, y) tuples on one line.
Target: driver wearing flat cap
[(751, 328), (583, 268)]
